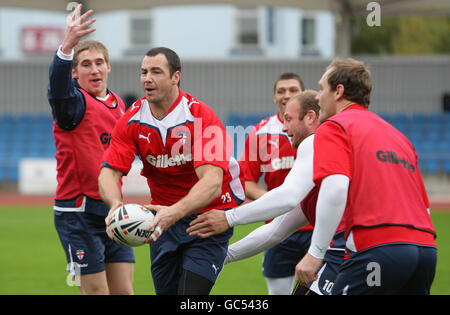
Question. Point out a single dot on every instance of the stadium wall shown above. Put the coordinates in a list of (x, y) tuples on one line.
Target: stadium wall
[(400, 84)]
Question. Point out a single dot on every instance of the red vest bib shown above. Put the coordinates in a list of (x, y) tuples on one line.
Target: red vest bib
[(80, 151), (386, 186)]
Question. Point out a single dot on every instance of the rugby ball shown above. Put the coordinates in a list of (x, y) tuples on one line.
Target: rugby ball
[(129, 223)]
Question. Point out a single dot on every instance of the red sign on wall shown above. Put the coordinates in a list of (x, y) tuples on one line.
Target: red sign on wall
[(41, 40)]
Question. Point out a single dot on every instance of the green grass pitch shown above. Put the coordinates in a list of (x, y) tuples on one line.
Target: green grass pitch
[(33, 262)]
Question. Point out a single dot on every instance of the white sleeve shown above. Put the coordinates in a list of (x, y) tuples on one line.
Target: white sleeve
[(63, 55), (329, 210), (267, 235), (296, 186)]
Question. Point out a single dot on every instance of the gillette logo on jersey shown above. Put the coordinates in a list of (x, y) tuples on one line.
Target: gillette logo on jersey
[(164, 160), (283, 163), (171, 148)]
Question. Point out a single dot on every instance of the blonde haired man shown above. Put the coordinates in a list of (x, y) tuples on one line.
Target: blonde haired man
[(84, 113)]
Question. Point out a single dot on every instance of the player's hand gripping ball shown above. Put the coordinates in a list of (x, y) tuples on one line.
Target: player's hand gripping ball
[(128, 224)]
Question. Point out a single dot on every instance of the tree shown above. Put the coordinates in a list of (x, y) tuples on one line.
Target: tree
[(402, 35)]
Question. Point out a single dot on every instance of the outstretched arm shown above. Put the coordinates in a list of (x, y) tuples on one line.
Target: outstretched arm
[(67, 102), (296, 186), (267, 235)]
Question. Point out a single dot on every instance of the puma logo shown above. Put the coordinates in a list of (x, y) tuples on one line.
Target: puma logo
[(134, 106), (274, 143), (146, 138), (193, 102)]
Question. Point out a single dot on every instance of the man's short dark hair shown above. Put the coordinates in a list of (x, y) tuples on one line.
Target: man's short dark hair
[(307, 100), (354, 76), (171, 56), (289, 76)]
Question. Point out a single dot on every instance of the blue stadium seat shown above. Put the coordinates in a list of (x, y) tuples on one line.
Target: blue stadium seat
[(402, 127), (416, 137), (443, 146), (435, 127), (446, 166), (400, 118), (7, 118), (7, 126), (235, 119), (419, 147), (2, 172), (446, 135), (251, 119), (446, 118), (418, 121), (426, 151), (387, 116), (49, 149), (25, 120), (433, 135), (432, 165), (401, 122), (444, 151), (445, 125), (13, 173), (434, 119), (44, 118)]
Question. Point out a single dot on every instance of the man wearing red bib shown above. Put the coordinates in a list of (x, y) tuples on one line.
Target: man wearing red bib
[(368, 174), (84, 112)]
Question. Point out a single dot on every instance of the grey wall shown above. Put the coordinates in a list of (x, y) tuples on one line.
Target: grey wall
[(399, 84)]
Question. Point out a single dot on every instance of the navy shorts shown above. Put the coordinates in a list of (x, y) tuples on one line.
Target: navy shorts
[(175, 251), (328, 272), (280, 260), (388, 269), (326, 275), (86, 244)]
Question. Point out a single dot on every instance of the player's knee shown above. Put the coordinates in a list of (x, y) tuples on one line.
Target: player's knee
[(94, 284), (122, 291), (94, 290), (121, 288)]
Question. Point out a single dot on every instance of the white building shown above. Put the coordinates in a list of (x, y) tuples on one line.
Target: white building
[(194, 32)]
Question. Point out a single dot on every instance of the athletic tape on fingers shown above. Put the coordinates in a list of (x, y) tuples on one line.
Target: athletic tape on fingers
[(153, 236)]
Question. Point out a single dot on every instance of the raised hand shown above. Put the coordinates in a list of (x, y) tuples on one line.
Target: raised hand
[(77, 27)]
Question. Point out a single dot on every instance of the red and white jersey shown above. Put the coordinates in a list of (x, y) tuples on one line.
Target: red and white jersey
[(387, 201), (189, 136), (80, 151), (268, 152)]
